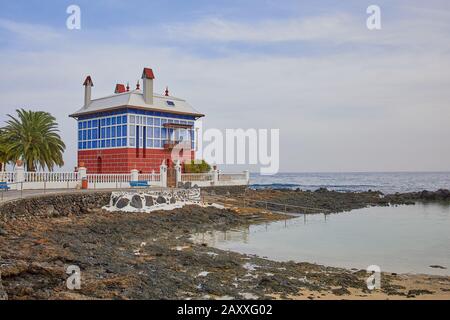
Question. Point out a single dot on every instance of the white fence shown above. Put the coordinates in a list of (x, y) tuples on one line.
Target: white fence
[(21, 180), (215, 178)]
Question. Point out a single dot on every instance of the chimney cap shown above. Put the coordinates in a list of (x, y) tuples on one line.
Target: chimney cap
[(120, 88), (88, 82), (148, 74)]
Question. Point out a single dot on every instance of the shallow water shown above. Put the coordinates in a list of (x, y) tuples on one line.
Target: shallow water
[(403, 239)]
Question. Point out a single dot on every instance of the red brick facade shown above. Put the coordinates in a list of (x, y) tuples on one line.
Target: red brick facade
[(123, 160)]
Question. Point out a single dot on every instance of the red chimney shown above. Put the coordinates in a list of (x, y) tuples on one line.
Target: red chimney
[(120, 88)]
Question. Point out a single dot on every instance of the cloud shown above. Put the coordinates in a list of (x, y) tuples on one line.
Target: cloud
[(29, 32), (344, 110)]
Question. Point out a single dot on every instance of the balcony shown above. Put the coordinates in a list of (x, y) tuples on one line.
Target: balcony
[(183, 144)]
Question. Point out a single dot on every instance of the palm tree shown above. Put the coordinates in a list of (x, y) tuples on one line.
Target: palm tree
[(34, 138), (4, 154)]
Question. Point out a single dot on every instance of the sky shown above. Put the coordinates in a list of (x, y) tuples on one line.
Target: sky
[(345, 98)]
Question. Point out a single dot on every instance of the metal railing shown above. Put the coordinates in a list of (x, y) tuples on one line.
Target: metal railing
[(231, 176), (192, 177)]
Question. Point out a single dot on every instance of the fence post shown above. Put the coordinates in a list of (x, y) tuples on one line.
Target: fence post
[(163, 174), (19, 175), (177, 174), (215, 177), (247, 176), (134, 175)]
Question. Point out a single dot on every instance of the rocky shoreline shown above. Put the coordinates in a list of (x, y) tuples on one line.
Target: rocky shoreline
[(151, 256)]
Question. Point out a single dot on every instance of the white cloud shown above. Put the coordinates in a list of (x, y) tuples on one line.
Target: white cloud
[(340, 111)]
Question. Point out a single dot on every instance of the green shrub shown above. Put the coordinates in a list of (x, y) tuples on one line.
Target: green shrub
[(197, 167)]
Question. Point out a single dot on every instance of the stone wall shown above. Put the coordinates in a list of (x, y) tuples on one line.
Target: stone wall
[(224, 190), (54, 205)]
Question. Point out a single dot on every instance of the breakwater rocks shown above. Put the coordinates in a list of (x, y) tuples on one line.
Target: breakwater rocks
[(425, 195), (54, 205)]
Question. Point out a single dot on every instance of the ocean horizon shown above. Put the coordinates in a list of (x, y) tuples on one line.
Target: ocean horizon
[(386, 182)]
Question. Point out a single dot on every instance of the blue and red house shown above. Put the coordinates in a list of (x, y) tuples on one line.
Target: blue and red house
[(133, 129)]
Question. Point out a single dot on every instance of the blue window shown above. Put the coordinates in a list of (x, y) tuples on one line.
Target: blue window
[(103, 143), (89, 144), (113, 120), (149, 132), (80, 145), (119, 131), (108, 143), (84, 134), (157, 133), (103, 133), (94, 123), (119, 142), (80, 135), (150, 121), (163, 121), (113, 132), (119, 120), (108, 121), (124, 119), (164, 133), (192, 145), (149, 143), (84, 124), (124, 131), (80, 125), (94, 134), (108, 132), (124, 142), (89, 124), (113, 142), (157, 122), (94, 144), (89, 134), (103, 122), (84, 145), (157, 143)]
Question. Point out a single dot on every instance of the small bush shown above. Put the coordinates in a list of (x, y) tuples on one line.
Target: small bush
[(199, 167)]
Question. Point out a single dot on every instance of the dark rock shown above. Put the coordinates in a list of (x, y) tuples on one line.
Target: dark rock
[(122, 203), (161, 199), (149, 201), (172, 200), (435, 266), (3, 232), (416, 292), (136, 202), (340, 291), (3, 295)]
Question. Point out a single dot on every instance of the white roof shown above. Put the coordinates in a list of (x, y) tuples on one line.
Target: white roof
[(135, 99)]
